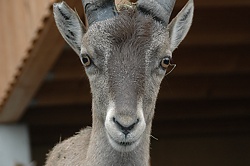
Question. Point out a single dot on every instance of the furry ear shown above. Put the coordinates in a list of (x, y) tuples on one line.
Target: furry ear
[(69, 24), (180, 25)]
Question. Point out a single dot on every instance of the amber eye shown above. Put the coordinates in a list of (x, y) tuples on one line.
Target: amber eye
[(85, 59), (165, 62)]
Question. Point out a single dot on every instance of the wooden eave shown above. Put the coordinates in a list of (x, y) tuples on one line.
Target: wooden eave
[(39, 56)]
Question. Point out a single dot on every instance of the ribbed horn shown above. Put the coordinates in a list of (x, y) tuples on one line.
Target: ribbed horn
[(159, 9), (98, 10)]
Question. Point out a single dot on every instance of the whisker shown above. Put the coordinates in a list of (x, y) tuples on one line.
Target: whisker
[(154, 137)]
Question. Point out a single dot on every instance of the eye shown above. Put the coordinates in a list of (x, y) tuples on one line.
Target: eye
[(165, 62), (85, 60)]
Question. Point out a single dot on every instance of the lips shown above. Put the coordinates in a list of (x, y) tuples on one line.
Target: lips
[(125, 143)]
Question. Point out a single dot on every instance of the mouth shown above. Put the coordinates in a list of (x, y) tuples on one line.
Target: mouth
[(124, 145)]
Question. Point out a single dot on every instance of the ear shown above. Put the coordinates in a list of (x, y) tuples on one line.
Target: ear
[(69, 24), (180, 25)]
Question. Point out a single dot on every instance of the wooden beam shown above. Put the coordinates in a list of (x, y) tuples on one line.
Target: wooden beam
[(201, 127), (201, 110), (204, 3), (205, 87), (77, 92), (59, 115), (214, 3), (41, 56), (186, 129), (208, 60), (67, 67), (181, 119), (172, 88), (219, 26)]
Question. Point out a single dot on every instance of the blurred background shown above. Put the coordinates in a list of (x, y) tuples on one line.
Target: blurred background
[(203, 110)]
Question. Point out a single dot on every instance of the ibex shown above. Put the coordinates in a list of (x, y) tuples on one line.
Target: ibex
[(126, 53)]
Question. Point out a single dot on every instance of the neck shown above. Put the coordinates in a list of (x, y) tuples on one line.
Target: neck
[(101, 153)]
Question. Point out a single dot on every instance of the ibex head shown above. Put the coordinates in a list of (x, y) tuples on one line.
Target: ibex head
[(126, 55)]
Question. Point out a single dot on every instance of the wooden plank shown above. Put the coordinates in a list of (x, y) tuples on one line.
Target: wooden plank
[(77, 92), (201, 127), (39, 134), (201, 110), (179, 125), (59, 115), (204, 3), (219, 26), (165, 111), (190, 60), (208, 60), (172, 88), (205, 87), (210, 150), (214, 3), (68, 66)]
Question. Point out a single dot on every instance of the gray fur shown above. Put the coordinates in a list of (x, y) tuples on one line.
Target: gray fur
[(180, 25), (125, 75), (69, 24)]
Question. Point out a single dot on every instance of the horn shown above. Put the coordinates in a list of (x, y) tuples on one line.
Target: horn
[(159, 9), (98, 10)]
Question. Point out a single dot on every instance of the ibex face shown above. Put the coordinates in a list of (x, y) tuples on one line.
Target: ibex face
[(126, 55)]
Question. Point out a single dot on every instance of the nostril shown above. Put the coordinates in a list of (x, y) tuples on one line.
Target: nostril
[(125, 129), (133, 125), (114, 120)]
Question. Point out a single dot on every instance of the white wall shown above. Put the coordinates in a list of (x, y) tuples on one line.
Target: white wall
[(14, 145)]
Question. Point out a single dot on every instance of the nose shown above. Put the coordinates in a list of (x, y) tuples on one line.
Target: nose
[(125, 128)]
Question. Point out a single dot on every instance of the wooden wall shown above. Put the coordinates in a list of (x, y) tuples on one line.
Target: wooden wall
[(203, 112)]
